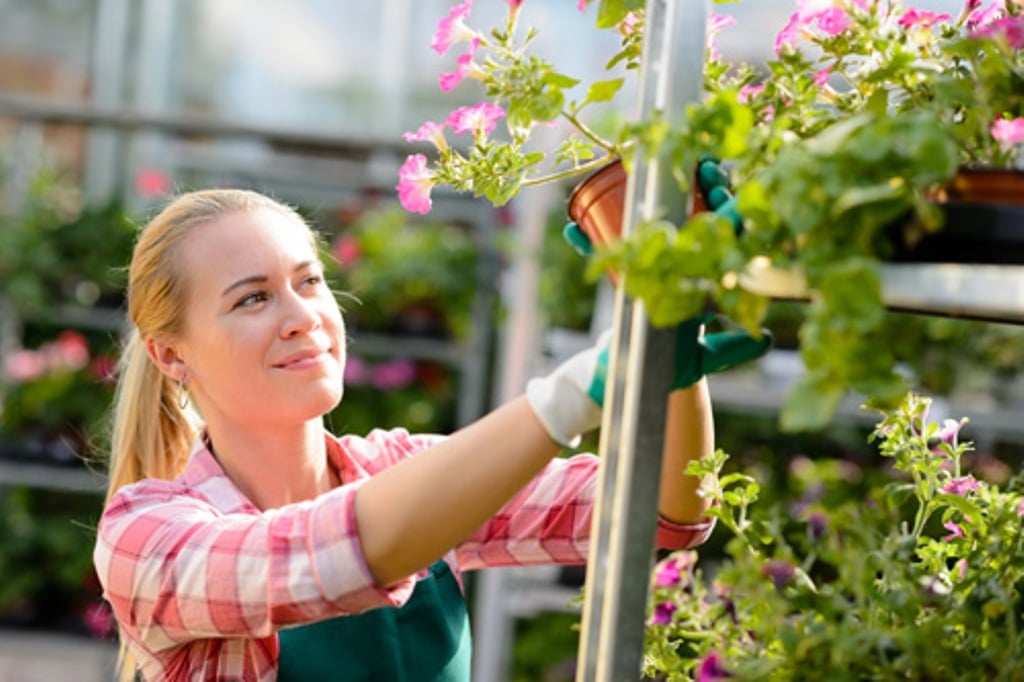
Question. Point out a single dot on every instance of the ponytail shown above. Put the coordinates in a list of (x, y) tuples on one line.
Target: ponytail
[(152, 432)]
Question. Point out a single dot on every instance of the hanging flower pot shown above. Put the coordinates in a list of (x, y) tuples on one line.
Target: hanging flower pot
[(597, 203)]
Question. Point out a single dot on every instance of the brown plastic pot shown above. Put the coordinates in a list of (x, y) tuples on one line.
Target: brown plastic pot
[(597, 203)]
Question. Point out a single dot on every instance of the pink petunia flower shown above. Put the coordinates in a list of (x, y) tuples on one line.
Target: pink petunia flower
[(1020, 508), (833, 21), (392, 375), (716, 22), (821, 77), (347, 250), (1010, 27), (464, 66), (960, 486), (749, 91), (357, 372), (663, 613), (581, 5), (711, 669), (955, 530), (675, 571), (922, 18), (629, 24), (24, 365), (452, 28), (982, 16), (429, 132), (479, 119), (414, 184)]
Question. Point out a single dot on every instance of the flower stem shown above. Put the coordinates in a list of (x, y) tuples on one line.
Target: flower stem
[(588, 133), (571, 172)]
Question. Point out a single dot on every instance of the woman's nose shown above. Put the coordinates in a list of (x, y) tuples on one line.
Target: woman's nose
[(301, 315)]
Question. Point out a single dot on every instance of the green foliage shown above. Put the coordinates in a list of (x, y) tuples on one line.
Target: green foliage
[(921, 580), (392, 264)]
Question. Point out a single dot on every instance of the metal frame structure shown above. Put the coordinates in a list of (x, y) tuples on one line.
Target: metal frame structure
[(632, 434)]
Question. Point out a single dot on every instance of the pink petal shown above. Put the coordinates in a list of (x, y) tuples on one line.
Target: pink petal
[(414, 184), (451, 28)]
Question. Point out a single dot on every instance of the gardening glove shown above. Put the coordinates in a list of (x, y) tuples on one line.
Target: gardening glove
[(568, 400), (714, 185), (697, 355)]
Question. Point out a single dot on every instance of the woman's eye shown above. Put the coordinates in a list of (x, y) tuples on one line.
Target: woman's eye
[(314, 280), (251, 299)]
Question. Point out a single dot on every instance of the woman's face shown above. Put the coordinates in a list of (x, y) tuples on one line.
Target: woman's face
[(263, 341)]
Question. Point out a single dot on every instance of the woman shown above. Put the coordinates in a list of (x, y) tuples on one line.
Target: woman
[(254, 545)]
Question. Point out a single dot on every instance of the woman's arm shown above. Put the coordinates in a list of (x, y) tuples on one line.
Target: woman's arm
[(412, 513), (689, 435)]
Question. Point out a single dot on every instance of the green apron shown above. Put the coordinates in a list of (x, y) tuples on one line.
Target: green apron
[(427, 639)]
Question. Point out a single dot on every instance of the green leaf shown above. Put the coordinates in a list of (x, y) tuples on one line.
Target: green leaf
[(559, 80), (603, 91)]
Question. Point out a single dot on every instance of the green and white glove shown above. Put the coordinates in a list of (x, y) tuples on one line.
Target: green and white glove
[(698, 355), (568, 400)]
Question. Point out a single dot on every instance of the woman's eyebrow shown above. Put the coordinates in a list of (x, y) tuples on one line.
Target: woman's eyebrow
[(258, 279)]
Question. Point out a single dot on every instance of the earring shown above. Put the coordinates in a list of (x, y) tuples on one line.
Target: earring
[(182, 393)]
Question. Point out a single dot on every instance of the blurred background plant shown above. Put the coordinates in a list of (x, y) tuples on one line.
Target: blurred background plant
[(402, 275)]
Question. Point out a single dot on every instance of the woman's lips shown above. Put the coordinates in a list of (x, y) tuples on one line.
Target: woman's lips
[(304, 359)]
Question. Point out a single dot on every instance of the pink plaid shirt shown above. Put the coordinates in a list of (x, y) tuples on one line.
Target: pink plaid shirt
[(201, 580)]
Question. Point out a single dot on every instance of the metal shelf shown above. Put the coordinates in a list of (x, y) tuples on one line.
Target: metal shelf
[(51, 477)]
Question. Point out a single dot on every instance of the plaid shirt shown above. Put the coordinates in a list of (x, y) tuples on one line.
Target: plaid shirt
[(200, 579)]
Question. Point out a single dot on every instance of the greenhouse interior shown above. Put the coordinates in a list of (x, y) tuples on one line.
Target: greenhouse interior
[(861, 399)]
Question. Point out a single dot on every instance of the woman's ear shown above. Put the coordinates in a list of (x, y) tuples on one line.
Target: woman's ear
[(167, 358)]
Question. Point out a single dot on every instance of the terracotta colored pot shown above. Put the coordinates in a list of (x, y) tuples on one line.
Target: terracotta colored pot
[(988, 185), (597, 203)]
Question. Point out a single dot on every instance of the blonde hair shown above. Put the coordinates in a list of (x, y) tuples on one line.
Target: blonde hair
[(152, 432)]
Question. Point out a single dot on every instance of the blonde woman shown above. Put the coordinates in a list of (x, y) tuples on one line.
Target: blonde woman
[(254, 545)]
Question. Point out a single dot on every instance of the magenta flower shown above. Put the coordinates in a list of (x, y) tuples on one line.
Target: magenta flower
[(24, 365), (357, 372), (479, 119), (452, 28), (391, 375), (1020, 508), (1010, 27), (947, 434), (629, 24), (414, 184), (834, 21), (922, 18), (1008, 132), (711, 669), (960, 486), (99, 620), (716, 22), (663, 613), (749, 91), (429, 132), (955, 531), (347, 250), (464, 66), (581, 5), (821, 77), (675, 570), (982, 16)]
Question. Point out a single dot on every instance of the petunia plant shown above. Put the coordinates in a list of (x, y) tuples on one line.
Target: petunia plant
[(922, 580), (839, 150), (523, 92)]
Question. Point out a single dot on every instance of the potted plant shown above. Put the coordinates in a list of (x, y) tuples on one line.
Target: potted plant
[(842, 148), (922, 580)]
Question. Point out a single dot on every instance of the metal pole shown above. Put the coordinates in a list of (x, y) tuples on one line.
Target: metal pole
[(632, 436)]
